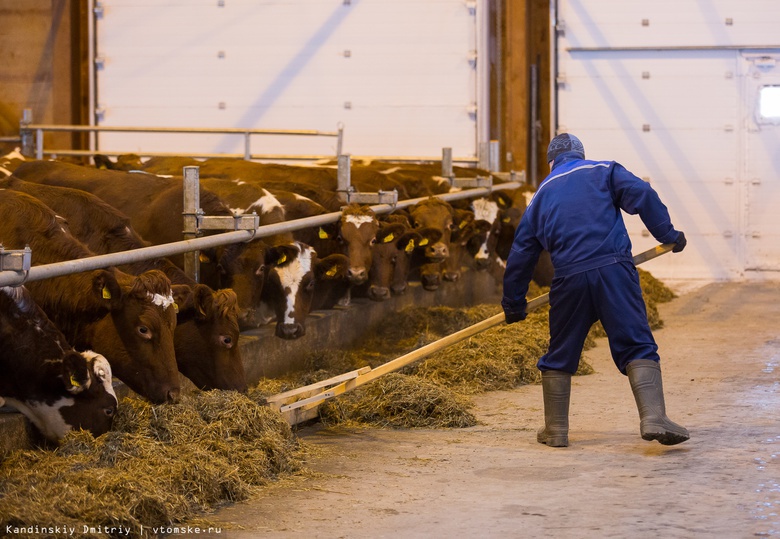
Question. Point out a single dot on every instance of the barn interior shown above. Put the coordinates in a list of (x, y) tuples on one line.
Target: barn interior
[(686, 96)]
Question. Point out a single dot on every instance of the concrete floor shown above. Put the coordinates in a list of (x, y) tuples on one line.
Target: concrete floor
[(720, 352)]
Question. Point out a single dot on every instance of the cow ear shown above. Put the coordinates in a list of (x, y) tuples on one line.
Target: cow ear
[(203, 300), (429, 235), (389, 232), (408, 241), (182, 297), (106, 288), (75, 373), (333, 267), (463, 218), (279, 255), (502, 199)]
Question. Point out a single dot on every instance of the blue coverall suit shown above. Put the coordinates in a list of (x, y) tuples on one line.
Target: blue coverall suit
[(575, 216)]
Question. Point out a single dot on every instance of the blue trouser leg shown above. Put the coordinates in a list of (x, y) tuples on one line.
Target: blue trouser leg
[(623, 314), (571, 315), (610, 294)]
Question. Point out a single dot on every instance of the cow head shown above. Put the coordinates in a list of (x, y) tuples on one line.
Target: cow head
[(395, 243), (242, 267), (357, 230), (464, 228), (136, 336), (56, 388), (483, 244), (292, 281), (206, 337), (435, 213)]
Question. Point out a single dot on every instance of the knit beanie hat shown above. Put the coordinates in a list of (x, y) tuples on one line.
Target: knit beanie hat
[(564, 143)]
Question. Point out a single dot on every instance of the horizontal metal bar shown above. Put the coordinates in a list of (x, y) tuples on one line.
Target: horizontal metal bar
[(58, 269), (675, 48), (10, 139), (200, 130), (205, 155)]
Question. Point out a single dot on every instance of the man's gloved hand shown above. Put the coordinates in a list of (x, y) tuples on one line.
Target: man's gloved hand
[(680, 243), (511, 318)]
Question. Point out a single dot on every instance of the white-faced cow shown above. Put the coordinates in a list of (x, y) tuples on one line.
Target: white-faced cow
[(55, 387), (128, 319), (206, 335)]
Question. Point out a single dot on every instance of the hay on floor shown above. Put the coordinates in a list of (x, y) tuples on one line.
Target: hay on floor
[(399, 401), (160, 465)]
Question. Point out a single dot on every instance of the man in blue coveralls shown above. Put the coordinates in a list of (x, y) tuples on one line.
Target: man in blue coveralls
[(575, 216)]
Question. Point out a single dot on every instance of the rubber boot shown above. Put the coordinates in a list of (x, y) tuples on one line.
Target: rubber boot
[(644, 375), (556, 387)]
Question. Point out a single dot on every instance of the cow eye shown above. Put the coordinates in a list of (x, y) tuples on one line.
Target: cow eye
[(310, 286), (373, 241), (144, 332), (226, 341), (109, 411)]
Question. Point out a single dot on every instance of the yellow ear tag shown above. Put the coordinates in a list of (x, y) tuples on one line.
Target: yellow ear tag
[(423, 241), (106, 293), (409, 246), (505, 220), (462, 224), (331, 272), (323, 235), (388, 238), (74, 382), (175, 307), (203, 258), (281, 259)]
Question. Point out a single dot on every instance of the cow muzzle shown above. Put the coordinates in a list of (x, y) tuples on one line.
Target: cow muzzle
[(378, 293), (357, 276), (437, 252), (290, 331)]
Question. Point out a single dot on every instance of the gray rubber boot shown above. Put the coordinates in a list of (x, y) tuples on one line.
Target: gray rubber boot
[(645, 378), (556, 386)]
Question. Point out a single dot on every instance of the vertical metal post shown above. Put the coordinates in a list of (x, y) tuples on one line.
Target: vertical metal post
[(493, 159), (190, 214), (483, 155), (344, 181), (340, 139), (39, 144), (446, 163), (26, 134), (247, 147)]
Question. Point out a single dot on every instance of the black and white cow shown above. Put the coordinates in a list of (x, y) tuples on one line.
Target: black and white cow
[(55, 387)]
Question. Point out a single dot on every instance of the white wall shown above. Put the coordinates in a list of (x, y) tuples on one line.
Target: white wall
[(669, 90), (399, 75)]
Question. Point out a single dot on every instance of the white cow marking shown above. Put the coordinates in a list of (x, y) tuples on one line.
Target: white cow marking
[(291, 275), (160, 300), (267, 203), (358, 220)]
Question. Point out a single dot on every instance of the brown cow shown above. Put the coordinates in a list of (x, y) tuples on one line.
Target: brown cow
[(434, 213), (391, 259), (206, 335), (129, 320), (55, 387), (154, 206)]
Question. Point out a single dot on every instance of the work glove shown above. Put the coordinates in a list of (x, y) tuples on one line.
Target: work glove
[(511, 318), (680, 243)]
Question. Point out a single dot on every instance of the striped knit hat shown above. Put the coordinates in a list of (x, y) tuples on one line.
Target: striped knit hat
[(564, 143)]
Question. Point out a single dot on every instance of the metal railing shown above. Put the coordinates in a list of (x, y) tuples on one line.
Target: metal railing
[(31, 136), (46, 271)]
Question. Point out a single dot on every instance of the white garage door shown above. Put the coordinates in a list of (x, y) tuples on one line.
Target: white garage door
[(400, 76), (670, 90)]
